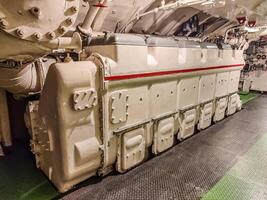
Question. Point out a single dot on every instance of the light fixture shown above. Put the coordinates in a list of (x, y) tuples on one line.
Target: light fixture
[(241, 17), (252, 20)]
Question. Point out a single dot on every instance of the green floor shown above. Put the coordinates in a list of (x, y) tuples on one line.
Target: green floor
[(247, 179), (19, 178), (246, 97)]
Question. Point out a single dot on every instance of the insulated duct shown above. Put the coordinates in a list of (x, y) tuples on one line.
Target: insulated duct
[(26, 80)]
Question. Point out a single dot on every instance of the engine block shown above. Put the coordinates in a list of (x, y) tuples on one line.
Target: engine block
[(133, 95)]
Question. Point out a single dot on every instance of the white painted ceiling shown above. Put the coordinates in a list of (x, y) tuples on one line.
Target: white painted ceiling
[(121, 15)]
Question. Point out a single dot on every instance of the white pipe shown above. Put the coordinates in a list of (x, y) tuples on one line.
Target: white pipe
[(86, 27), (69, 43), (5, 133), (176, 4), (25, 80), (179, 3)]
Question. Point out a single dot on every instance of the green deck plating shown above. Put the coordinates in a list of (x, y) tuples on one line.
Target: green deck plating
[(246, 180), (246, 97), (20, 179)]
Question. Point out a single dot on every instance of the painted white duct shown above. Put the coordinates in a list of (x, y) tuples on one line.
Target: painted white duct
[(25, 80)]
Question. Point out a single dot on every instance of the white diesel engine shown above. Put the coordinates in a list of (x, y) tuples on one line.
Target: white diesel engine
[(132, 96)]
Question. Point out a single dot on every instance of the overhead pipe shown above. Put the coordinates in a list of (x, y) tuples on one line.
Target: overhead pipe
[(230, 29), (163, 6), (86, 27)]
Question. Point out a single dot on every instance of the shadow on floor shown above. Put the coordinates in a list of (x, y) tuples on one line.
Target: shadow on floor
[(20, 179)]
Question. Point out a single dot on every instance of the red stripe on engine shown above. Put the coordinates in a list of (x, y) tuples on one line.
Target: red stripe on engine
[(161, 73)]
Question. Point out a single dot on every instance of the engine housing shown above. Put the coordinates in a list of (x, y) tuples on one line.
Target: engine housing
[(132, 93)]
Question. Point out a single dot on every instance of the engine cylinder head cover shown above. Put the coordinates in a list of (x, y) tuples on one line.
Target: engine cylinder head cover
[(33, 17)]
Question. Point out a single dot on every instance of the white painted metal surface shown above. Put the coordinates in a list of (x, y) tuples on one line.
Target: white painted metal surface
[(138, 105), (258, 80)]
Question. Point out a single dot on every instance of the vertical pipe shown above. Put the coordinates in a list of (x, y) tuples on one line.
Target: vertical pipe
[(5, 133), (86, 26)]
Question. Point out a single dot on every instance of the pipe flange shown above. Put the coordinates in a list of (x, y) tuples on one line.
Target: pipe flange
[(38, 20)]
